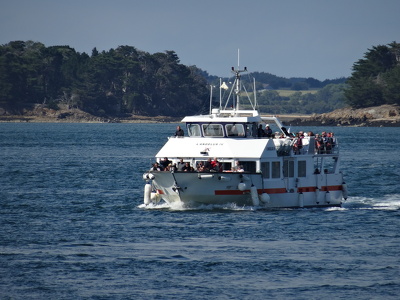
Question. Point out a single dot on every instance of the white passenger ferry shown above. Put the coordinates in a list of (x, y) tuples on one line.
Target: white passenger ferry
[(235, 162)]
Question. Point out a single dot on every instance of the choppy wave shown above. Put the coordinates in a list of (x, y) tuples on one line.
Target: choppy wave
[(73, 225)]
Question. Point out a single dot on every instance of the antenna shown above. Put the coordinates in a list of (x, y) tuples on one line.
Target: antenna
[(238, 85)]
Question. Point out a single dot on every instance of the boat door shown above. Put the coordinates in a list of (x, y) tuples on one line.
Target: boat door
[(289, 173)]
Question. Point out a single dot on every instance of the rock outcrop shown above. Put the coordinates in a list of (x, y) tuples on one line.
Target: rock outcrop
[(377, 116), (41, 113)]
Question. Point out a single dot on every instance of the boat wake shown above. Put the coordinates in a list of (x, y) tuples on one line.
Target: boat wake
[(386, 202), (204, 207)]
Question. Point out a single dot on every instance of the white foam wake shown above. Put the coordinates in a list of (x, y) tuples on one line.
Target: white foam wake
[(386, 202)]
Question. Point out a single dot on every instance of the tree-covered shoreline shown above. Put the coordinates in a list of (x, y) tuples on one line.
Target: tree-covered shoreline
[(115, 82), (126, 81)]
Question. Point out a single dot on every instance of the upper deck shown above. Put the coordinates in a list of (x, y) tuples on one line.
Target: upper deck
[(228, 124), (243, 147), (237, 133)]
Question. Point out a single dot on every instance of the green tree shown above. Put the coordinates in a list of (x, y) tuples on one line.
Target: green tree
[(374, 80), (20, 77), (391, 91)]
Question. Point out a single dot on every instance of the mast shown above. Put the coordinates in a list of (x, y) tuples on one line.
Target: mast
[(237, 87), (237, 80)]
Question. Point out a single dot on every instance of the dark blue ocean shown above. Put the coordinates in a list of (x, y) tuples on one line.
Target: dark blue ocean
[(72, 225)]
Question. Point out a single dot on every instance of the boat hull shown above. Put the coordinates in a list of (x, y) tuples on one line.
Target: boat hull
[(193, 189)]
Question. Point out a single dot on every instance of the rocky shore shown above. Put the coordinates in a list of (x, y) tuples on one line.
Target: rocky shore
[(42, 114), (379, 116)]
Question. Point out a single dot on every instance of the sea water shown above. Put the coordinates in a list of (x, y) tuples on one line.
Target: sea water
[(72, 224)]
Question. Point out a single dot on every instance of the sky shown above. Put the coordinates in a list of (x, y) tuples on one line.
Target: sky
[(288, 38)]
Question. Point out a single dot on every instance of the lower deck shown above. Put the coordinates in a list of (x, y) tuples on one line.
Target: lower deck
[(248, 189)]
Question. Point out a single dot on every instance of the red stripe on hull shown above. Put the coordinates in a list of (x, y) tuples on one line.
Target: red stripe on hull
[(280, 190), (260, 191), (272, 191), (231, 192), (323, 188), (306, 189), (332, 188)]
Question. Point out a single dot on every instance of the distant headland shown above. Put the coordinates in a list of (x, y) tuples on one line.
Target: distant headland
[(377, 116)]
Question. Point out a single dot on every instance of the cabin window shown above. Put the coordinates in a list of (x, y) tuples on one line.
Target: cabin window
[(276, 169), (288, 168), (249, 166), (302, 168), (234, 130), (250, 129), (213, 130), (194, 130), (226, 166), (265, 166)]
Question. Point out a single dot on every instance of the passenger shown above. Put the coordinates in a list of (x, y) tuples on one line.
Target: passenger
[(333, 139), (164, 163), (187, 168), (238, 167), (260, 131), (302, 134), (316, 171), (173, 168), (214, 163), (328, 143), (324, 136), (155, 167), (298, 143), (319, 144), (327, 140), (179, 132), (208, 165), (200, 167), (268, 131), (233, 131), (180, 165), (216, 166)]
